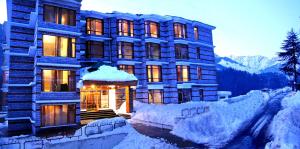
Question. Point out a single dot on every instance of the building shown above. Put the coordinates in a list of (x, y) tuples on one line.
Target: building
[(50, 43)]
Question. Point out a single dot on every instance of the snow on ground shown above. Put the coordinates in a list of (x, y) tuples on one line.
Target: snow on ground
[(215, 127), (104, 133), (285, 127)]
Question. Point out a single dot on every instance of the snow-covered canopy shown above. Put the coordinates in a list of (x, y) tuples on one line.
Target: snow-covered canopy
[(108, 74)]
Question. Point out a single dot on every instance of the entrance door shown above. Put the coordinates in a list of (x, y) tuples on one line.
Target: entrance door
[(104, 101), (92, 99)]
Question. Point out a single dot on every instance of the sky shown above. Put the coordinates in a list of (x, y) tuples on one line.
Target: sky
[(243, 27)]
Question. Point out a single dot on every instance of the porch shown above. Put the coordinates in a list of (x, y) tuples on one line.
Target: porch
[(101, 97)]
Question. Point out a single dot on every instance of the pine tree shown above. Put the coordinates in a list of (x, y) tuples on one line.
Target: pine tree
[(290, 57)]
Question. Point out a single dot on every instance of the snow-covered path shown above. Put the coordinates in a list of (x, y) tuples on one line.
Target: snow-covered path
[(254, 135), (155, 132)]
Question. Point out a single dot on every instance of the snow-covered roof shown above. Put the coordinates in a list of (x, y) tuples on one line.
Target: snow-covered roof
[(108, 74)]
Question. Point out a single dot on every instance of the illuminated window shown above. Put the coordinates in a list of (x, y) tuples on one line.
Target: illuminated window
[(201, 94), (125, 28), (198, 53), (58, 46), (184, 95), (155, 96), (57, 115), (180, 30), (183, 73), (151, 29), (154, 73), (59, 15), (199, 73), (181, 51), (94, 49), (94, 26), (125, 50), (153, 50), (127, 68), (196, 34), (58, 80)]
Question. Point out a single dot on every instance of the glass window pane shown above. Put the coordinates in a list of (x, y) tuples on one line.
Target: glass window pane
[(64, 16), (49, 45), (49, 14), (47, 80), (156, 73), (98, 27), (185, 73), (63, 51)]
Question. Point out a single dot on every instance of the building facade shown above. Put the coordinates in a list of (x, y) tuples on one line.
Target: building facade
[(49, 42)]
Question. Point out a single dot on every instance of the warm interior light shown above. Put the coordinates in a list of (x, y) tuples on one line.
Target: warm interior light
[(93, 86)]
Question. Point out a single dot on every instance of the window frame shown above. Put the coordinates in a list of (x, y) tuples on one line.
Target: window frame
[(150, 53), (201, 94), (151, 78), (148, 32), (71, 82), (71, 113), (196, 33), (58, 11), (90, 21), (89, 53), (198, 51), (130, 25), (126, 68), (71, 45), (179, 53), (199, 73), (179, 72), (121, 48), (151, 93), (181, 30), (183, 93)]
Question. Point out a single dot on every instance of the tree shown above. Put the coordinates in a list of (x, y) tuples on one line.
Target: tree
[(290, 57)]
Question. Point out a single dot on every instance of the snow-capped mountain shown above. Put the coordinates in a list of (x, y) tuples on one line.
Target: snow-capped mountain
[(251, 64)]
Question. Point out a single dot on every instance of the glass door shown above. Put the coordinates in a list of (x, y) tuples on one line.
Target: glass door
[(104, 99)]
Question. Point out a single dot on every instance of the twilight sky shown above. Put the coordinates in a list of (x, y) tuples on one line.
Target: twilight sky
[(244, 27)]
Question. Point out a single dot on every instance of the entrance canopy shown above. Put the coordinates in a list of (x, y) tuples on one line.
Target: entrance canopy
[(106, 75)]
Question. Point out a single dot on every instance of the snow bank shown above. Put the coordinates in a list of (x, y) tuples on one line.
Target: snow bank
[(114, 133), (223, 121), (215, 127), (285, 127), (108, 73)]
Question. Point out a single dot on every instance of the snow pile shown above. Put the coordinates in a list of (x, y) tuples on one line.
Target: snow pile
[(108, 73), (285, 127), (223, 121), (215, 127), (104, 133)]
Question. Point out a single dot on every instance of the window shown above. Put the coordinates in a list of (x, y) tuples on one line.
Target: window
[(57, 115), (180, 30), (181, 51), (154, 73), (58, 46), (151, 29), (201, 94), (184, 95), (196, 34), (183, 73), (94, 26), (59, 15), (125, 50), (125, 28), (58, 80), (127, 68), (153, 51), (198, 53), (94, 49), (155, 96), (199, 73)]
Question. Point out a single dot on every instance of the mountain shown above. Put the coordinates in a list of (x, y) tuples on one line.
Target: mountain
[(241, 74), (250, 64)]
